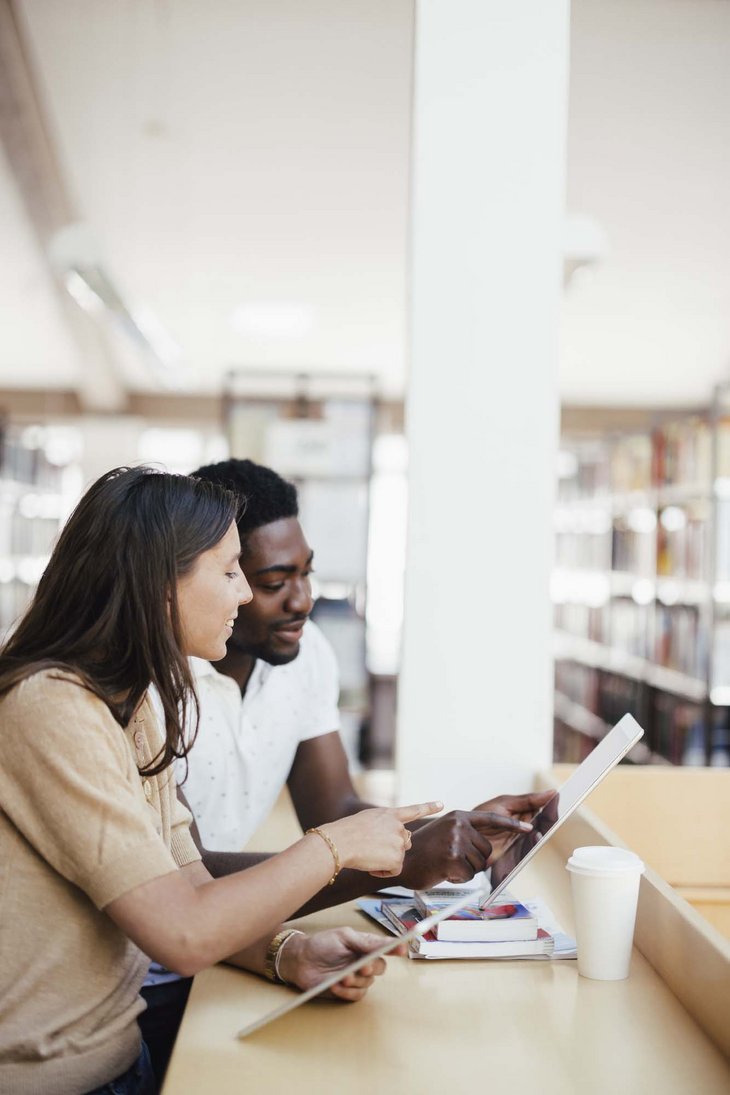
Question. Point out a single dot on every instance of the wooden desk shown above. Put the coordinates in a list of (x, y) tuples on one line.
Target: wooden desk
[(428, 1027)]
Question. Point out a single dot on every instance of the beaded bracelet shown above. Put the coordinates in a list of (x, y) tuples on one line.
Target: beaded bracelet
[(332, 847), (273, 954)]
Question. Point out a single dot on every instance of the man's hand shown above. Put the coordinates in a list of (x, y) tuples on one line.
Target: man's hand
[(461, 843), (519, 808), (456, 846), (308, 959)]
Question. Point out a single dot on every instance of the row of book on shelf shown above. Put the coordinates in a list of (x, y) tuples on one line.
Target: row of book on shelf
[(509, 929), (675, 452), (671, 541), (673, 636), (677, 729)]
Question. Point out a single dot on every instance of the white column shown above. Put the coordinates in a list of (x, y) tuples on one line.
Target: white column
[(490, 105)]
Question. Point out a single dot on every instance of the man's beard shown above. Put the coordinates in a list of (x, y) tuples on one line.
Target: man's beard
[(262, 651)]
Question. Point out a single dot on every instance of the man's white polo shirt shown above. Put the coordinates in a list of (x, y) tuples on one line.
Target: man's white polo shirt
[(245, 747)]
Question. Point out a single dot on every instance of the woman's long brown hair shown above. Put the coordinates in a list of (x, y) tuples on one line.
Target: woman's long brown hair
[(106, 607)]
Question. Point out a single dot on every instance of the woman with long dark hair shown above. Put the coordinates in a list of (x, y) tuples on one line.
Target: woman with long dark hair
[(98, 872)]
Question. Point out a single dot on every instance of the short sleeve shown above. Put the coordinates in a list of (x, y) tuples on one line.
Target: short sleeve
[(322, 685), (69, 784), (183, 846)]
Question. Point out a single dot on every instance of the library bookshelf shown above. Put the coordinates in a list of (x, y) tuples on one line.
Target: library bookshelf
[(641, 587)]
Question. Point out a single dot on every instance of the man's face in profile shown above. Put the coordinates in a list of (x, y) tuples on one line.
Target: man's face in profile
[(277, 561)]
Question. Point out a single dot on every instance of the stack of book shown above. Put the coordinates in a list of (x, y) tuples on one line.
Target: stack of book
[(509, 929)]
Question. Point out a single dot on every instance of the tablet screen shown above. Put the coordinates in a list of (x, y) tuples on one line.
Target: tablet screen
[(605, 755)]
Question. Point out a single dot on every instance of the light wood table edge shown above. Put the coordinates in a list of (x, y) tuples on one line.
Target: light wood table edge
[(687, 952)]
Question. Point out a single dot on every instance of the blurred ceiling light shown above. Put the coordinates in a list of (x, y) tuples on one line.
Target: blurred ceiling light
[(163, 344), (272, 319), (82, 293), (76, 257)]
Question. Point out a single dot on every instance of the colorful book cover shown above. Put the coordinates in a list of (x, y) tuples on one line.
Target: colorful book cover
[(508, 921)]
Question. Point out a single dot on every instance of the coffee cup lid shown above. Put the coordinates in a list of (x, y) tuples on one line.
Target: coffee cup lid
[(604, 859)]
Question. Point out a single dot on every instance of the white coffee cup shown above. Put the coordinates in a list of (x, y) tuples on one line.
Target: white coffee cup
[(605, 885)]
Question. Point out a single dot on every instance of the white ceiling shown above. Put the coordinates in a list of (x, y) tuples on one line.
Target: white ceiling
[(649, 157), (254, 153)]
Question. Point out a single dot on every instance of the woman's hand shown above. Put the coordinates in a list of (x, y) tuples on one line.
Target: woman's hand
[(308, 959), (376, 840)]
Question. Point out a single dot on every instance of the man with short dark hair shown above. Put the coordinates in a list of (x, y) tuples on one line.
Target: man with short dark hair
[(268, 714)]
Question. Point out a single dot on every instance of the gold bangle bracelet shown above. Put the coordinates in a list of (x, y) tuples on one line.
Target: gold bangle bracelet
[(271, 962), (332, 847)]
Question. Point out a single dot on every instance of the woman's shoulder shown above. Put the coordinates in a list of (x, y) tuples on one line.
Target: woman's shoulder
[(58, 705), (44, 676), (54, 685)]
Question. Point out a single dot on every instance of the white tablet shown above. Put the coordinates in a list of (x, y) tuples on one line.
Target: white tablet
[(518, 853)]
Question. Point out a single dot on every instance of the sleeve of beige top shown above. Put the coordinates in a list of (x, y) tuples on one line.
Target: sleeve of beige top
[(69, 784), (183, 846)]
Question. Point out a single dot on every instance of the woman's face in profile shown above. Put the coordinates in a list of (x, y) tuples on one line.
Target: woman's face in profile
[(208, 598)]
